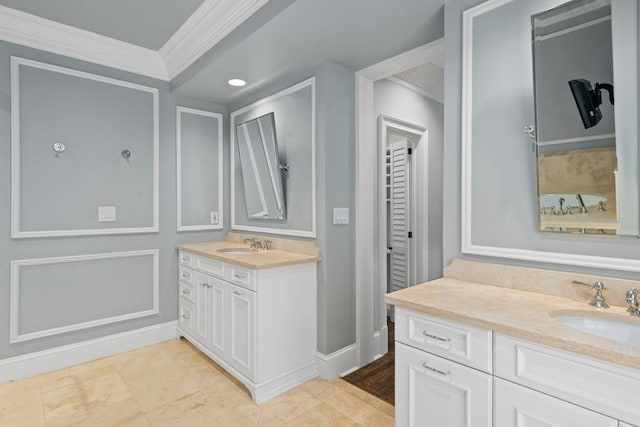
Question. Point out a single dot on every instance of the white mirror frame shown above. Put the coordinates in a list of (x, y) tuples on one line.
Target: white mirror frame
[(220, 225), (467, 246), (285, 232)]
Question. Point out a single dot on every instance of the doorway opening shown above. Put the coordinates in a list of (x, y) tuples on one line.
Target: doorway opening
[(395, 151)]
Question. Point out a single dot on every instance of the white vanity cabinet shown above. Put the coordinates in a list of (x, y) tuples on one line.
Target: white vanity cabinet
[(433, 386), (517, 406), (451, 374), (259, 325)]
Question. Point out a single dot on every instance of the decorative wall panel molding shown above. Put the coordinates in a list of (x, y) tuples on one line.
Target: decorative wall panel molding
[(199, 164), (79, 142), (74, 282)]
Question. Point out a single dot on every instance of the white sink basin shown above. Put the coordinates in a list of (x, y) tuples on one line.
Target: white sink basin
[(611, 326), (235, 251)]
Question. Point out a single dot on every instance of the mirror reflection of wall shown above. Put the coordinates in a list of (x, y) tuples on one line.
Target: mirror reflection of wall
[(576, 143), (261, 168)]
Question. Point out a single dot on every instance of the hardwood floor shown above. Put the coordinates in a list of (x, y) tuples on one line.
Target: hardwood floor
[(378, 377)]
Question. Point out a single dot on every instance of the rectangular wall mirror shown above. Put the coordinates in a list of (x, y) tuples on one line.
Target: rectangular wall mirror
[(262, 168), (575, 131)]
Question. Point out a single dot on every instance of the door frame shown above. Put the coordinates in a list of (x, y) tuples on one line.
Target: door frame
[(367, 198), (418, 213)]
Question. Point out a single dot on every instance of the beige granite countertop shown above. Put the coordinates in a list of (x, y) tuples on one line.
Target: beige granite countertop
[(254, 260), (519, 314)]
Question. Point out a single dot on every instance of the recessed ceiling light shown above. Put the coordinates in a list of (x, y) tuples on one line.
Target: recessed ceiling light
[(237, 82)]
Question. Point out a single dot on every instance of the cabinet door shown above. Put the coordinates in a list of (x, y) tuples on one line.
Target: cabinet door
[(242, 330), (517, 406), (625, 424), (218, 316), (202, 324), (435, 392)]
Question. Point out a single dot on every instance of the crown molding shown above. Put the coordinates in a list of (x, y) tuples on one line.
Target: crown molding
[(33, 31), (207, 26)]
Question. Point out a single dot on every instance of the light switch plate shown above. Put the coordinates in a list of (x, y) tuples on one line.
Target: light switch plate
[(106, 213), (214, 217), (341, 216)]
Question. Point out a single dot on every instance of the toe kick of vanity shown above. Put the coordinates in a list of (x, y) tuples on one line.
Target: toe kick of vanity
[(257, 324)]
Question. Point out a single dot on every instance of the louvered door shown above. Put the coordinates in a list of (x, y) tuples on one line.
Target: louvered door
[(399, 215)]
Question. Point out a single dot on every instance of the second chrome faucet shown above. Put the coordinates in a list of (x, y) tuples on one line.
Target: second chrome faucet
[(598, 299)]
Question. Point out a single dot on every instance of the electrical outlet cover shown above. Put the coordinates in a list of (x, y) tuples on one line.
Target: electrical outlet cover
[(341, 216), (214, 217), (106, 213)]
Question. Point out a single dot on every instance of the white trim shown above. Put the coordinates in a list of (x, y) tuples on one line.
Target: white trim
[(367, 234), (570, 140), (381, 340), (285, 232), (39, 33), (339, 363), (467, 246), (219, 117), (418, 204), (205, 28), (14, 305), (574, 28), (28, 365), (16, 233), (415, 88)]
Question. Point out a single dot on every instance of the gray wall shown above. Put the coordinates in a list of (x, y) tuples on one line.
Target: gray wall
[(503, 163), (401, 103), (335, 184), (165, 240)]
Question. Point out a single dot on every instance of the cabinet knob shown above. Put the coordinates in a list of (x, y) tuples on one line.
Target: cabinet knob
[(186, 292), (238, 293), (185, 317)]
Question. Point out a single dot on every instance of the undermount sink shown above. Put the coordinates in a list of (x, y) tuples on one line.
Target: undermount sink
[(612, 326), (235, 251)]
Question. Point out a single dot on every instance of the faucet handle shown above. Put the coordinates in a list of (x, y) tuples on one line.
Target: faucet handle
[(267, 244), (598, 299)]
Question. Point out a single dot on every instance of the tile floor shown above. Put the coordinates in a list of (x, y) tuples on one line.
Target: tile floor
[(173, 384)]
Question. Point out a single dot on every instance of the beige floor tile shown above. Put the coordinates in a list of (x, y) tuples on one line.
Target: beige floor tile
[(322, 415), (316, 386), (21, 405), (122, 414), (283, 408), (357, 409), (75, 397), (370, 399)]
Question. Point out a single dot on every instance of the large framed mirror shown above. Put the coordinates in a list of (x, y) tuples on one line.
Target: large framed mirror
[(575, 114)]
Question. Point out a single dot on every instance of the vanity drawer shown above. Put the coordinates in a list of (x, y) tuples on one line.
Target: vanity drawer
[(185, 275), (210, 266), (185, 258), (242, 277), (186, 316), (464, 344), (603, 387), (186, 291)]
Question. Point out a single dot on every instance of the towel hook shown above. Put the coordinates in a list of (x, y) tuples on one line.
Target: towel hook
[(126, 154)]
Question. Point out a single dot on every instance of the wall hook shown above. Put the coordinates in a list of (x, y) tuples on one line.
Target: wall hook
[(59, 147), (284, 168), (530, 131), (126, 154)]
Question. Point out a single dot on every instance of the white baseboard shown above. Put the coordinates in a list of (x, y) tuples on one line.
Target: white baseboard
[(381, 342), (339, 363), (28, 365)]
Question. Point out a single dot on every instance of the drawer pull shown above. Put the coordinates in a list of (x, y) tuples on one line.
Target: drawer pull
[(185, 258), (238, 293), (186, 292), (185, 317), (434, 370), (435, 337), (239, 276), (185, 275)]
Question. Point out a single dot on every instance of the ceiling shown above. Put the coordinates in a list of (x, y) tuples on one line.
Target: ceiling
[(199, 45), (146, 23), (354, 34), (426, 79)]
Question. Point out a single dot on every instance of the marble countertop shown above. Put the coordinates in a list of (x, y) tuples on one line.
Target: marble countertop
[(519, 314), (254, 260)]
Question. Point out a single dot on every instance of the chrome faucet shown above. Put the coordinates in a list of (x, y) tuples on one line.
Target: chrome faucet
[(633, 298), (598, 299)]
